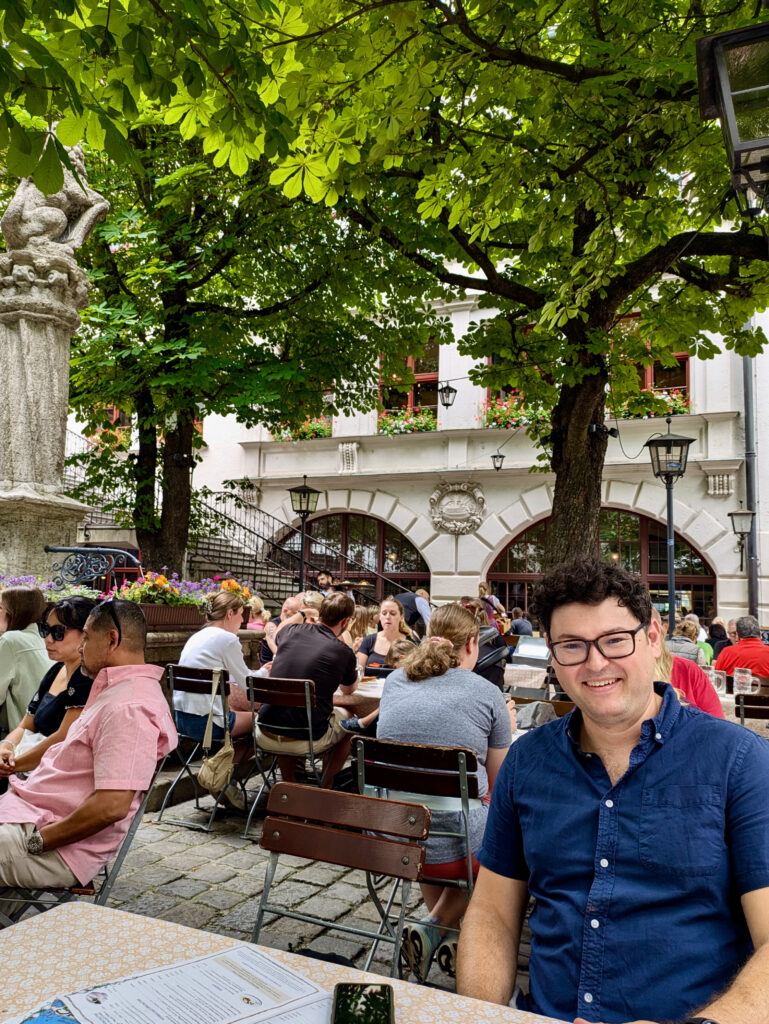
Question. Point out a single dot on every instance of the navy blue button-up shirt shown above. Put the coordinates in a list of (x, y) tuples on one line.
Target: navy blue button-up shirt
[(638, 884)]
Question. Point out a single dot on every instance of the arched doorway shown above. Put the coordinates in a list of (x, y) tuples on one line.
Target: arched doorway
[(635, 542), (361, 549)]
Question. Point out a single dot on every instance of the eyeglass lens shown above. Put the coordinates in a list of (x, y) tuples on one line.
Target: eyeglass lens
[(612, 645)]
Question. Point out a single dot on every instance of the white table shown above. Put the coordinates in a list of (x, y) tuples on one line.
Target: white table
[(78, 945)]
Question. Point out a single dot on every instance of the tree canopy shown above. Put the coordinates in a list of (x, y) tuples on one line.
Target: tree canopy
[(546, 154), (215, 294)]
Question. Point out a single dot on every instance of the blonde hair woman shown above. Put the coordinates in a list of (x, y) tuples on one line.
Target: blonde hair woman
[(683, 643), (435, 697), (256, 620)]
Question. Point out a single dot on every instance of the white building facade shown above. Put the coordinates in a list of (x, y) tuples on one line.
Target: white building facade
[(428, 508)]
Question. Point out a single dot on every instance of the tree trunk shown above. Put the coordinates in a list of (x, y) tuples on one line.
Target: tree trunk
[(577, 462)]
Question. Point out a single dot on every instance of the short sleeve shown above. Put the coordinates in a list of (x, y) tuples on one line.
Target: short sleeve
[(501, 734), (78, 691), (502, 849), (367, 643), (126, 748)]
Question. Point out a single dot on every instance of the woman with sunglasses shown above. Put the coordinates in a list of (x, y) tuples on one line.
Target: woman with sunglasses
[(22, 653), (61, 695)]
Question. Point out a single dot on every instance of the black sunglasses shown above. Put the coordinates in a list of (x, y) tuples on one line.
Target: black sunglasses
[(109, 604), (57, 631)]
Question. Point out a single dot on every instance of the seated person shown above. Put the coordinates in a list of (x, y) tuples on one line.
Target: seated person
[(492, 649), (436, 698), (62, 694), (520, 626), (257, 618), (686, 678), (216, 645), (268, 646), (312, 650), (394, 657), (23, 659), (373, 649), (60, 826)]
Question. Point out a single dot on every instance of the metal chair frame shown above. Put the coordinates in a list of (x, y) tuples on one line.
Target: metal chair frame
[(283, 692), (338, 828), (44, 899), (197, 680)]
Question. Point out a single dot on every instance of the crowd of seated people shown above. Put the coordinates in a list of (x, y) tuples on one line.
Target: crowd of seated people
[(94, 722)]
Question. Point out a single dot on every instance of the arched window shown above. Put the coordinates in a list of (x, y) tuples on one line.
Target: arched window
[(635, 542), (368, 549)]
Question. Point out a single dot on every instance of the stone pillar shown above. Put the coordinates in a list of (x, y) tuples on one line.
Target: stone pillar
[(41, 290)]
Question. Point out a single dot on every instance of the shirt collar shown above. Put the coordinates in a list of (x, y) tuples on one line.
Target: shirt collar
[(119, 673), (656, 729)]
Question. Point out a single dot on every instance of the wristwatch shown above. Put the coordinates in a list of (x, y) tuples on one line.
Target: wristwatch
[(699, 1020), (35, 843)]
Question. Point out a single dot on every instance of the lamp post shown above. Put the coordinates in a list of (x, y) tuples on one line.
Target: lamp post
[(742, 524), (668, 453), (304, 501), (497, 459), (733, 86)]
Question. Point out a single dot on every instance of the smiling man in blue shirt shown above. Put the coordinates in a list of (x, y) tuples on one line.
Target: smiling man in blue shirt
[(640, 825)]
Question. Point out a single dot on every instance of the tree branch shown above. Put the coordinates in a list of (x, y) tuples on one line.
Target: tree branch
[(242, 314)]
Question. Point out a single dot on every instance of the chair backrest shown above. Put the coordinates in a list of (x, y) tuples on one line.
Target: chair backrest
[(286, 693), (561, 707), (751, 705), (416, 768), (195, 680), (325, 825)]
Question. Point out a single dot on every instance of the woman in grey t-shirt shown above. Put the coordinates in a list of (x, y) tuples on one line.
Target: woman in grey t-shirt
[(436, 698)]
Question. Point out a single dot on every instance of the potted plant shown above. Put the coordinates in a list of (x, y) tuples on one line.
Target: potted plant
[(168, 602), (409, 421)]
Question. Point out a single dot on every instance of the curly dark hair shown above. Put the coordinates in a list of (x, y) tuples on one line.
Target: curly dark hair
[(588, 581)]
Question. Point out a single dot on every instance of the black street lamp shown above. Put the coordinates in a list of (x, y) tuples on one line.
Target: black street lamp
[(742, 524), (733, 85), (668, 453), (497, 459), (447, 394), (304, 501)]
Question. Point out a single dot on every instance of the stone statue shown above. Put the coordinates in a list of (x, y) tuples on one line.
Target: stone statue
[(57, 223), (41, 290)]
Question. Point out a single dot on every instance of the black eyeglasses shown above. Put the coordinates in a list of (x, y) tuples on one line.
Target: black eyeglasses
[(109, 604), (57, 631), (620, 643)]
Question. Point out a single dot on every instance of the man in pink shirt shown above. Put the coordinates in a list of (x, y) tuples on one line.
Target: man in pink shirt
[(65, 821)]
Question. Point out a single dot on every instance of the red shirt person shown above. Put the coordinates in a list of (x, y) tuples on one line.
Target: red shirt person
[(748, 652)]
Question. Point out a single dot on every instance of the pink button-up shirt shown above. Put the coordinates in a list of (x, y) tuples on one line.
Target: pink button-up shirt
[(125, 728)]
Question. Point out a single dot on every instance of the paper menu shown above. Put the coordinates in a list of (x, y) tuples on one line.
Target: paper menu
[(239, 985)]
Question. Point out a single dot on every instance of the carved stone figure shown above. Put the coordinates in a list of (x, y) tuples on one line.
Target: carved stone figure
[(41, 290), (57, 223), (457, 507)]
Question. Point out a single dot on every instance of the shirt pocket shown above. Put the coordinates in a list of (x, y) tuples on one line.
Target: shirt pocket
[(682, 829)]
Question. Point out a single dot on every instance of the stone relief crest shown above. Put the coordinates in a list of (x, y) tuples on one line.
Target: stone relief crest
[(457, 507)]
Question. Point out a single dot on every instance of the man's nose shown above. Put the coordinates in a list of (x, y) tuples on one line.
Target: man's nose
[(595, 660)]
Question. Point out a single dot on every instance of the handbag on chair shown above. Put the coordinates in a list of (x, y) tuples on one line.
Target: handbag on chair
[(216, 770)]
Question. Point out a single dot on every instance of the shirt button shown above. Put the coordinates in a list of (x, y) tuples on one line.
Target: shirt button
[(604, 862), (588, 997), (595, 923), (609, 803), (658, 737)]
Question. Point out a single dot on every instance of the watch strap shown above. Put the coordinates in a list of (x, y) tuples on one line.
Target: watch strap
[(699, 1020)]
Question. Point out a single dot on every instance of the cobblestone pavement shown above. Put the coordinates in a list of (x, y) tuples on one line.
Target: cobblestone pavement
[(212, 881)]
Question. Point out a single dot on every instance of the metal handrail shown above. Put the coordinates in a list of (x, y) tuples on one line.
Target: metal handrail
[(276, 526)]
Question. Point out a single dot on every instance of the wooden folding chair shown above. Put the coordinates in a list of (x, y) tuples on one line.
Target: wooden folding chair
[(100, 888), (182, 679), (379, 836), (442, 778)]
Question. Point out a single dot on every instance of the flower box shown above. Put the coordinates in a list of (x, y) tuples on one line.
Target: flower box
[(171, 618)]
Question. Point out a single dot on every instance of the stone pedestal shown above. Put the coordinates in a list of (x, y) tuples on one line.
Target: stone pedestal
[(41, 290)]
